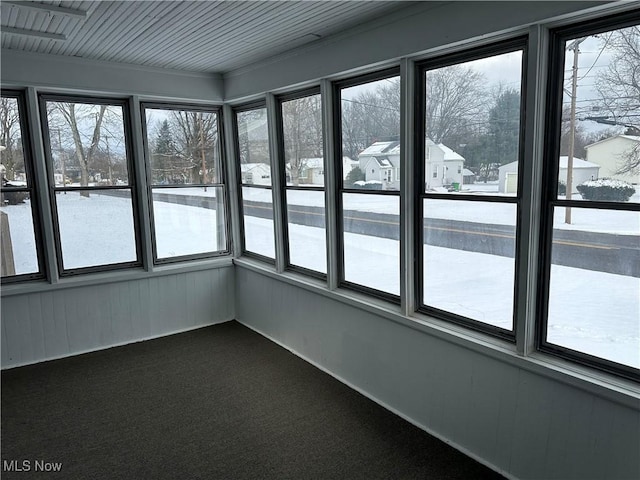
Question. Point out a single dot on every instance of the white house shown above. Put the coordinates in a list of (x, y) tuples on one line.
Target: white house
[(255, 173), (582, 171), (381, 162), (612, 153)]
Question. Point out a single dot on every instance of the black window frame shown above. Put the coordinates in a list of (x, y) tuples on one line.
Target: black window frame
[(132, 184), (550, 201), (222, 184), (517, 43), (280, 99), (339, 181), (240, 184), (30, 189)]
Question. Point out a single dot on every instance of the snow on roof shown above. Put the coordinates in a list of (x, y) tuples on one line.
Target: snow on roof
[(466, 172), (313, 162), (246, 167), (450, 154), (381, 147), (633, 138), (577, 163), (383, 162)]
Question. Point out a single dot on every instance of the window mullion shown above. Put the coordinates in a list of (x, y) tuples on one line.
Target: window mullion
[(234, 191)]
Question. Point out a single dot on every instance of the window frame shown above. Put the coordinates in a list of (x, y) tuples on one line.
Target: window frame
[(280, 99), (222, 184), (30, 188), (553, 107), (124, 103), (240, 184), (340, 189), (516, 43)]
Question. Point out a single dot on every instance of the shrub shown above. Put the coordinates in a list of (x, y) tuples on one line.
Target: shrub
[(607, 190), (562, 188), (354, 176)]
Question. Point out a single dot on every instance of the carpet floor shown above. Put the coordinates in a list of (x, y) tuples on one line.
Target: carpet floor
[(220, 402)]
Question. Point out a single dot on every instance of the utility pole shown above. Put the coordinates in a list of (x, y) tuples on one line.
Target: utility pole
[(204, 164), (572, 123), (64, 183)]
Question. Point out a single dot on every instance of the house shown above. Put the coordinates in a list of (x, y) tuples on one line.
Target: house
[(582, 171), (381, 162), (612, 153), (256, 173)]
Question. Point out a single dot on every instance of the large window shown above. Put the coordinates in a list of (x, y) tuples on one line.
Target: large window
[(468, 190), (252, 136), (368, 178), (302, 149), (91, 181), (185, 179), (20, 258), (591, 287)]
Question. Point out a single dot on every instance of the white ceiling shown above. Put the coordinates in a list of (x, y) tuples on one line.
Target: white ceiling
[(199, 36)]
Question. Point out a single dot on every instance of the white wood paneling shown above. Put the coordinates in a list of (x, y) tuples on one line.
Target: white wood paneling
[(60, 322), (522, 423)]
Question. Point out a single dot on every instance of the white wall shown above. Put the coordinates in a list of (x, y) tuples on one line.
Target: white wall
[(60, 321), (492, 405), (82, 75)]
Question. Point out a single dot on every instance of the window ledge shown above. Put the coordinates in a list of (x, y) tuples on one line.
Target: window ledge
[(622, 391), (114, 276)]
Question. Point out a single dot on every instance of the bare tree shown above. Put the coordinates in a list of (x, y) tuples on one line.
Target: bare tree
[(12, 156), (302, 124), (196, 136), (618, 86)]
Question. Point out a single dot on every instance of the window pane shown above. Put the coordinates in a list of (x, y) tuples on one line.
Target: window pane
[(472, 125), (96, 227), (600, 135), (371, 135), (19, 254), (371, 241), (253, 144), (11, 154), (258, 221), (594, 291), (303, 151), (188, 221), (469, 265), (87, 144), (183, 147), (306, 229)]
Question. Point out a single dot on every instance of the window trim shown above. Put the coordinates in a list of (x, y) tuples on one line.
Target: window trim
[(340, 188), (262, 104), (34, 194), (43, 98), (553, 107), (514, 44), (280, 99), (221, 184)]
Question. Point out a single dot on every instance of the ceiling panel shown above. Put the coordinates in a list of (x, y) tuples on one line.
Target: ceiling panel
[(202, 36)]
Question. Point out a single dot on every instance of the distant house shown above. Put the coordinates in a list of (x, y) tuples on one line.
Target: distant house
[(381, 162), (312, 171), (255, 173), (582, 171), (612, 153), (468, 177)]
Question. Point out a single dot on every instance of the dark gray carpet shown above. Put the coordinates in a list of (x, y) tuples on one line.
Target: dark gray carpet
[(217, 403)]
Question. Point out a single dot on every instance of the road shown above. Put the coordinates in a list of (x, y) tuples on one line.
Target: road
[(611, 253)]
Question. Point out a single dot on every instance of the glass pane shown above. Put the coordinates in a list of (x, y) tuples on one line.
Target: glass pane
[(11, 153), (96, 227), (253, 144), (371, 241), (87, 144), (469, 259), (306, 229), (188, 221), (472, 125), (594, 290), (183, 147), (19, 254), (303, 151), (371, 135), (600, 134), (257, 209)]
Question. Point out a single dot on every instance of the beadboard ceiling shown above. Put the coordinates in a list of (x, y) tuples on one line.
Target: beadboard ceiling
[(198, 36)]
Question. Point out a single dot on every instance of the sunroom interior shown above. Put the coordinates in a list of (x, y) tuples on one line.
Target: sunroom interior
[(335, 243)]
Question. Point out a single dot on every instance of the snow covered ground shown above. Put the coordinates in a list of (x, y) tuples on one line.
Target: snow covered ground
[(593, 312)]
